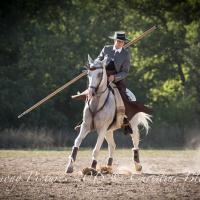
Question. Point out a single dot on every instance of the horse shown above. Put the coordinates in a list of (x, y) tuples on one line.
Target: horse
[(99, 113)]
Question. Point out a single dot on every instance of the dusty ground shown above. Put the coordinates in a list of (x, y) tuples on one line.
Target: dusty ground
[(40, 175)]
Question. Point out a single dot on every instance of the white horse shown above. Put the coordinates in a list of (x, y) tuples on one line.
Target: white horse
[(99, 113)]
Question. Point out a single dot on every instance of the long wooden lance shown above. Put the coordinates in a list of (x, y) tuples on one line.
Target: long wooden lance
[(132, 42), (53, 93), (144, 34)]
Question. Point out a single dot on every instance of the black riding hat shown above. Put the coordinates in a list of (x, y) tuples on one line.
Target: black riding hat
[(119, 35)]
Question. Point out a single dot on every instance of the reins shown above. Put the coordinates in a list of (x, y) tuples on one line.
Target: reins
[(92, 69), (98, 95), (94, 113)]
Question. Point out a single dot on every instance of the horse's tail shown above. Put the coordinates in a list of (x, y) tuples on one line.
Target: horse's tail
[(143, 119)]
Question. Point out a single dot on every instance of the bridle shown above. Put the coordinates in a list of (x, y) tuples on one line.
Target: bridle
[(98, 94), (97, 87)]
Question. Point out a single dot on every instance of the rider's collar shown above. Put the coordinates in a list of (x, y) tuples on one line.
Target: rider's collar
[(117, 50)]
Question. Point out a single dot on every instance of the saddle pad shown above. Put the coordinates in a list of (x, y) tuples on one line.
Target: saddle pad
[(120, 109)]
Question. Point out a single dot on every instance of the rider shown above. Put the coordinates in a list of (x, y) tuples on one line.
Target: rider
[(118, 58), (118, 65)]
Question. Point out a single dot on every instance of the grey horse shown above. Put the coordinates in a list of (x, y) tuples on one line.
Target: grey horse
[(98, 114)]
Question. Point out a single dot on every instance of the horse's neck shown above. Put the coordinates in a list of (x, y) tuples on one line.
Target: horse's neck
[(103, 84), (102, 93)]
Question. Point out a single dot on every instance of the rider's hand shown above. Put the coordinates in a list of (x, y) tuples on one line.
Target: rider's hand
[(111, 78)]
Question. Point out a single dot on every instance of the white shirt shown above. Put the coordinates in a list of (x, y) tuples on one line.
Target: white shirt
[(117, 50)]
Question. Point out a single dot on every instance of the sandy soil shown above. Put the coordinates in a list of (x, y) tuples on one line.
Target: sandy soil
[(40, 175)]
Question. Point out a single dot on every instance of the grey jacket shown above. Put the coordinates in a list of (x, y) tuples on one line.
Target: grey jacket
[(121, 61)]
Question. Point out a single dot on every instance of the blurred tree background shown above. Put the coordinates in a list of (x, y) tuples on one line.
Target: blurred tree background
[(44, 44)]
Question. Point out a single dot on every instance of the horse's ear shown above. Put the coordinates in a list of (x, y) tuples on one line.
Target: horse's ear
[(90, 59), (104, 61)]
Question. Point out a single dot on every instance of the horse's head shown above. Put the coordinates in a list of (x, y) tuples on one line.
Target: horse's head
[(96, 74)]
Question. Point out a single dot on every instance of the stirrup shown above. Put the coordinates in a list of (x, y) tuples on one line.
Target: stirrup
[(125, 122), (78, 126)]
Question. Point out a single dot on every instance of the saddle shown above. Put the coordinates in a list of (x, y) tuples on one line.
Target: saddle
[(118, 120), (131, 107), (125, 109)]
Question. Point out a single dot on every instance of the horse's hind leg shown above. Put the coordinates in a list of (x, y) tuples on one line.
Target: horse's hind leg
[(111, 147), (136, 139), (85, 128)]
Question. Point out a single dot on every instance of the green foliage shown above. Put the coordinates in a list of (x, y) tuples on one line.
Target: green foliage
[(44, 44)]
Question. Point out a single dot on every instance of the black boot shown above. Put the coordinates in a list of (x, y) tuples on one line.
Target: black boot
[(127, 127), (128, 130)]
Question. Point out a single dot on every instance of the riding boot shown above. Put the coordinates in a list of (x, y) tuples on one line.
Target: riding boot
[(80, 96), (127, 127)]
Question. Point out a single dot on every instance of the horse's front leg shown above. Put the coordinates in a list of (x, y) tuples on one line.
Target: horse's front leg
[(85, 128), (97, 147), (111, 147)]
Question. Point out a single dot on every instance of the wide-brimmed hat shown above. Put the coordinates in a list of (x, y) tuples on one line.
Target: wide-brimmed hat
[(119, 35)]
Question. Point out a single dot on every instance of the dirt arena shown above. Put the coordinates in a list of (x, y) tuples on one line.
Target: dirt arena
[(40, 175)]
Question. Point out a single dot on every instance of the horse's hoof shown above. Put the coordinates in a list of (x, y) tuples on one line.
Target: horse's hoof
[(138, 167), (106, 170), (69, 170), (89, 171)]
